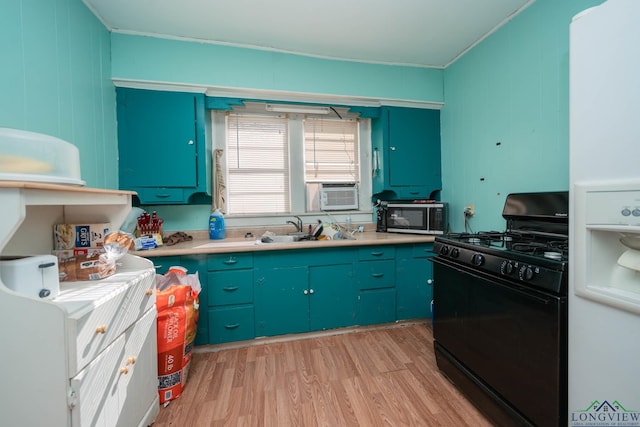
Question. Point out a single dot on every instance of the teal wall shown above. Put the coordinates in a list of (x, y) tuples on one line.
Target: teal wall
[(505, 123), (166, 60), (512, 88), (150, 59), (56, 79)]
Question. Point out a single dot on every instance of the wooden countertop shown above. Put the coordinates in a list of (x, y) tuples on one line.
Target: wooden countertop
[(203, 245)]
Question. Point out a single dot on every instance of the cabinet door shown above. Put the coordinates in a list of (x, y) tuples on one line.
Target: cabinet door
[(157, 138), (377, 306), (332, 297), (414, 147), (414, 288), (281, 300), (406, 153)]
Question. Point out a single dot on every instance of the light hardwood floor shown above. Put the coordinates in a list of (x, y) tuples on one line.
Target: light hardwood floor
[(372, 377)]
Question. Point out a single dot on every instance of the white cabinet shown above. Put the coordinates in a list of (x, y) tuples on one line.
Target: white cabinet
[(87, 357)]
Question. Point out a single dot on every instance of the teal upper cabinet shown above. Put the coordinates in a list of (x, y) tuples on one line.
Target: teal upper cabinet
[(406, 153), (162, 142)]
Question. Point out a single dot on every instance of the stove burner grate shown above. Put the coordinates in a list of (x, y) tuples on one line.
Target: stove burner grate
[(520, 242)]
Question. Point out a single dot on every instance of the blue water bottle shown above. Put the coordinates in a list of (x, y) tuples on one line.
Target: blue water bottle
[(216, 225)]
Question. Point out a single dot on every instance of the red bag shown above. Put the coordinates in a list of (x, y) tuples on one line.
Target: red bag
[(177, 304)]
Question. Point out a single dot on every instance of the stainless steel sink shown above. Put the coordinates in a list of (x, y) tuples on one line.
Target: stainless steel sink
[(290, 238), (299, 235)]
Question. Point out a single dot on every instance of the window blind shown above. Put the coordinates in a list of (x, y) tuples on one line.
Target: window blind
[(331, 150), (257, 164)]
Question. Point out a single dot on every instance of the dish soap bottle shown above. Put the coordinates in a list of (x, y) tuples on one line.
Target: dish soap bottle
[(216, 225)]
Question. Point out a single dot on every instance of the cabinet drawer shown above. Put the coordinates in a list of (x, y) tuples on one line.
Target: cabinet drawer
[(118, 301), (163, 263), (126, 367), (228, 324), (160, 195), (423, 251), (230, 287), (413, 192), (376, 252), (229, 261), (375, 274)]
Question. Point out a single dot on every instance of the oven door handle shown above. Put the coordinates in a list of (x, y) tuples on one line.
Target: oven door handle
[(510, 286)]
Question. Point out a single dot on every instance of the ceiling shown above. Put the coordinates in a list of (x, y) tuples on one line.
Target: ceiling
[(427, 33)]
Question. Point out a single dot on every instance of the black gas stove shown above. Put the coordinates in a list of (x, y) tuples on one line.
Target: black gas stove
[(533, 259), (500, 312), (533, 250)]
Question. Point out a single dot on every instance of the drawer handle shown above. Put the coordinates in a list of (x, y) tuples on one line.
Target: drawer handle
[(101, 329), (231, 261), (47, 265), (131, 360), (232, 326), (124, 371), (377, 253), (230, 288), (377, 275), (148, 292)]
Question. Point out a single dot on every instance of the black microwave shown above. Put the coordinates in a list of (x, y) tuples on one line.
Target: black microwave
[(416, 217)]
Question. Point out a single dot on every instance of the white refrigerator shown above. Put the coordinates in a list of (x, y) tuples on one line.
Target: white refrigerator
[(604, 216)]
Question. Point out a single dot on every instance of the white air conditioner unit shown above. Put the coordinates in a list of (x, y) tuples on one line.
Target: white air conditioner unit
[(338, 196)]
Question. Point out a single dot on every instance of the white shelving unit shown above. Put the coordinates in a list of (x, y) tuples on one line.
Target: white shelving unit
[(87, 357)]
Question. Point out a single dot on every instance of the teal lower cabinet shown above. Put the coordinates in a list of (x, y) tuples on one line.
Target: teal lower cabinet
[(414, 281), (229, 302), (281, 300), (232, 323), (333, 297), (267, 293), (302, 291), (376, 281), (377, 306), (163, 263)]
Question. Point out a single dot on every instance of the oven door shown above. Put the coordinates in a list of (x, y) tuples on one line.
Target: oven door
[(512, 339)]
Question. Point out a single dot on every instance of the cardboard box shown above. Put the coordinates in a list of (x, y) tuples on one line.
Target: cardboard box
[(79, 236)]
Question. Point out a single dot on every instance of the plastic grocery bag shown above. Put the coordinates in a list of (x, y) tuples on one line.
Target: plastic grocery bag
[(177, 303)]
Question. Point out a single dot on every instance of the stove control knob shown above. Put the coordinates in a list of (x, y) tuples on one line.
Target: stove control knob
[(455, 253), (444, 250), (526, 272), (477, 259), (506, 268)]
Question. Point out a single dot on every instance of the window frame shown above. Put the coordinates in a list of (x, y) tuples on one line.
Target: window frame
[(297, 169)]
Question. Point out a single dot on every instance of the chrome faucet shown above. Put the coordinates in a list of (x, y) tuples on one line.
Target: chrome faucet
[(297, 225)]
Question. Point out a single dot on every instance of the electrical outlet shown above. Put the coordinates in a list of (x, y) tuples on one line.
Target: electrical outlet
[(469, 210)]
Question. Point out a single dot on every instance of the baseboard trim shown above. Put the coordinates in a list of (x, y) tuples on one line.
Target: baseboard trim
[(308, 335)]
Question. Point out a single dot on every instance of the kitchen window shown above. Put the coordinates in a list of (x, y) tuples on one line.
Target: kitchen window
[(269, 158), (257, 164)]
